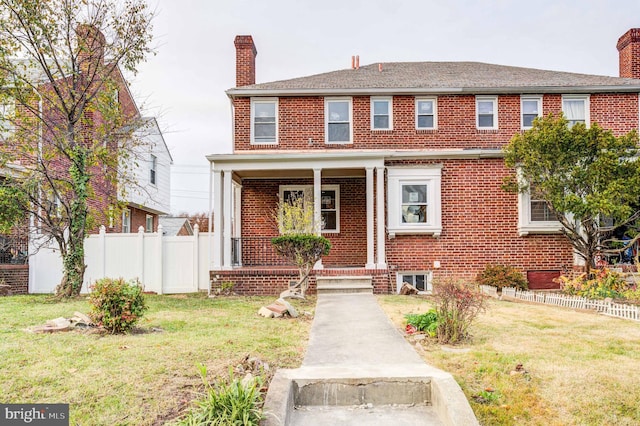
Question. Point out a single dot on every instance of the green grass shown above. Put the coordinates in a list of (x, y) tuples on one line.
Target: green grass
[(579, 368), (146, 377)]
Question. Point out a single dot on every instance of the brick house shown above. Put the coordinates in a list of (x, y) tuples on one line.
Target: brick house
[(403, 164)]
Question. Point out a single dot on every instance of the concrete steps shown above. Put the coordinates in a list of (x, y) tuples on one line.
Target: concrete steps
[(344, 284)]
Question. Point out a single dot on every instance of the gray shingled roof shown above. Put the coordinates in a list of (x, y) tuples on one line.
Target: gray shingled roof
[(434, 77)]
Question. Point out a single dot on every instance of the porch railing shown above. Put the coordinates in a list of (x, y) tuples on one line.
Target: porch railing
[(14, 249), (255, 251)]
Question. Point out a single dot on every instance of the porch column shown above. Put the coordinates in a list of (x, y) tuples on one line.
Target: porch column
[(317, 207), (370, 196), (381, 257), (216, 254), (227, 219)]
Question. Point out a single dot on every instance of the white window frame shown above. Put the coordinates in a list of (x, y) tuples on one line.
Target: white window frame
[(153, 170), (431, 176), (587, 106), (146, 223), (308, 198), (527, 226), (254, 102), (126, 221), (328, 101), (528, 98), (7, 107), (427, 274), (435, 113), (389, 101), (493, 99)]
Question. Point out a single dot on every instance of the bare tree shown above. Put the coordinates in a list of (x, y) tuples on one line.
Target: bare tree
[(65, 130)]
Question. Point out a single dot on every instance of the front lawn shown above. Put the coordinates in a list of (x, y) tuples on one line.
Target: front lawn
[(577, 368), (149, 376)]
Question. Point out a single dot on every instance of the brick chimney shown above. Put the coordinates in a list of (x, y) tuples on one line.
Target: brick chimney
[(91, 44), (629, 49), (245, 60)]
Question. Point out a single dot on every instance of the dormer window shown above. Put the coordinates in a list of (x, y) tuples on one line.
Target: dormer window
[(264, 121)]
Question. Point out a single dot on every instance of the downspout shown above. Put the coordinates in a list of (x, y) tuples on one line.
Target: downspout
[(210, 224)]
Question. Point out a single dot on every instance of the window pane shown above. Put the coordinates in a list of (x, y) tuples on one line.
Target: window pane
[(540, 212), (425, 121), (485, 120), (291, 196), (264, 109), (328, 200), (485, 107), (414, 214), (408, 279), (338, 132), (381, 107), (425, 107), (527, 119), (414, 194), (265, 132), (329, 221), (339, 111), (530, 107), (420, 283), (574, 109), (381, 122)]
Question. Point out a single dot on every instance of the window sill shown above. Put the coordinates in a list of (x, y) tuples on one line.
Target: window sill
[(431, 230), (264, 143), (487, 131), (339, 143), (546, 228)]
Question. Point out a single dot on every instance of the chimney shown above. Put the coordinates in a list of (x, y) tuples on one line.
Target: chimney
[(245, 60), (629, 50), (91, 44)]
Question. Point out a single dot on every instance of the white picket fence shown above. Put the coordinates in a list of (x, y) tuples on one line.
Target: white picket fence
[(163, 264), (605, 307)]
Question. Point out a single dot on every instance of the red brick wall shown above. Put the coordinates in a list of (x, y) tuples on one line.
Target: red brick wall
[(15, 276), (302, 119), (479, 227)]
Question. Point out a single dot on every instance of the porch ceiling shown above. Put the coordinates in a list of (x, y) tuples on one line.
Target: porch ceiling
[(302, 173)]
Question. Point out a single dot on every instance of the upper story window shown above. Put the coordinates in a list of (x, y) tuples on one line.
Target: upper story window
[(7, 116), (264, 121), (426, 113), (486, 112), (576, 109), (531, 108), (153, 170), (338, 120), (414, 205), (381, 113)]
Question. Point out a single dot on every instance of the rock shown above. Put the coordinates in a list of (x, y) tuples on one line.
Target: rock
[(265, 312), (59, 323), (5, 290), (408, 289), (84, 318), (292, 311), (277, 308), (419, 337)]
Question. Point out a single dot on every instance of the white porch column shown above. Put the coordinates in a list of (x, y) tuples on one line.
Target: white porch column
[(227, 208), (317, 207), (216, 255), (370, 196), (381, 254)]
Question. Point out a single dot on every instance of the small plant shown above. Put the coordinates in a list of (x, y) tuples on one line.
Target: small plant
[(457, 306), (427, 322), (599, 284), (500, 276), (117, 305), (225, 288), (487, 396), (227, 402)]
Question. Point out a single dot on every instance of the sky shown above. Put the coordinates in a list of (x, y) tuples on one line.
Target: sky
[(184, 83)]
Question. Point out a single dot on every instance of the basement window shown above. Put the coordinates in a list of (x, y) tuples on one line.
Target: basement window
[(420, 280)]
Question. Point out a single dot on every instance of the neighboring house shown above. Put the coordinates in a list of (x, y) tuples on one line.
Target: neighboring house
[(175, 226), (151, 170), (403, 165)]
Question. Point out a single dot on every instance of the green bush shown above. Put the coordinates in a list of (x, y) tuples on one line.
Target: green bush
[(600, 284), (227, 403), (427, 322), (502, 276), (457, 306), (116, 305)]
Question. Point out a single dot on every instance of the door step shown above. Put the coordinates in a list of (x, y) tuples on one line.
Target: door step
[(344, 284)]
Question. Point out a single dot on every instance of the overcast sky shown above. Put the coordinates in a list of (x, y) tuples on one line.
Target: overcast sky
[(184, 84)]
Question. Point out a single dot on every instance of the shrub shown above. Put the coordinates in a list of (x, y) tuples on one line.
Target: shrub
[(227, 402), (457, 306), (599, 284), (502, 276), (427, 322), (117, 305)]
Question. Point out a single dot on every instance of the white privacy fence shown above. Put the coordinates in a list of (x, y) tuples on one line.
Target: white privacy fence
[(176, 264), (606, 307)]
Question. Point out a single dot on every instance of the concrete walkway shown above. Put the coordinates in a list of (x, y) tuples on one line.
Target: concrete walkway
[(359, 370)]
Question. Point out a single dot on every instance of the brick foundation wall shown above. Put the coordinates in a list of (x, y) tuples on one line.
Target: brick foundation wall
[(15, 276), (301, 122)]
